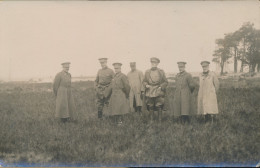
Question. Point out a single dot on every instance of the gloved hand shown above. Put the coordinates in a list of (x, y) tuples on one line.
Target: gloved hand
[(147, 86)]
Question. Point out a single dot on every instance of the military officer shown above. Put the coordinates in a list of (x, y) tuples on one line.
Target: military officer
[(207, 97), (65, 105), (102, 82), (120, 88), (154, 88), (182, 94), (135, 78)]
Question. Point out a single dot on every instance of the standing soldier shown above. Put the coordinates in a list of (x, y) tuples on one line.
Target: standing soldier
[(119, 104), (135, 78), (207, 98), (182, 94), (103, 80), (65, 105), (154, 88)]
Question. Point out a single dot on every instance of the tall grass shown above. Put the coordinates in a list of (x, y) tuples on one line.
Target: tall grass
[(29, 133)]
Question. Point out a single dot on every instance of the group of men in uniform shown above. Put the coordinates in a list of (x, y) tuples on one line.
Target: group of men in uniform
[(121, 93), (126, 93)]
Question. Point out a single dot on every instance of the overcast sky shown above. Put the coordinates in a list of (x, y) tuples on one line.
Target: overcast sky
[(35, 37)]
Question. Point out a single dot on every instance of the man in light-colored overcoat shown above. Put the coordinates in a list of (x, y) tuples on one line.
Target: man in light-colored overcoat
[(207, 96), (135, 78)]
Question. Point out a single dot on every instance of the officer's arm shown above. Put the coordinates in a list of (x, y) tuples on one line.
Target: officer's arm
[(141, 76), (96, 81), (112, 73), (164, 83), (145, 82), (126, 85), (56, 84), (191, 83), (216, 82)]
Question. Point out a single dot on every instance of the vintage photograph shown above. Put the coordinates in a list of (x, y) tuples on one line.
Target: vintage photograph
[(130, 83)]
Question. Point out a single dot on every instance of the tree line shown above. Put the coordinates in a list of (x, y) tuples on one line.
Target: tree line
[(242, 45)]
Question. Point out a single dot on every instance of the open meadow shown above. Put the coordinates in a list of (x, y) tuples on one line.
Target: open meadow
[(30, 135)]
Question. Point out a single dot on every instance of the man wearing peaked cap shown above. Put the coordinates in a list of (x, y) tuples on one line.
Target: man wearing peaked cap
[(117, 64), (182, 94), (65, 106), (119, 91), (181, 63), (204, 63), (102, 82), (154, 89), (154, 59), (102, 59), (135, 78), (207, 98), (65, 63)]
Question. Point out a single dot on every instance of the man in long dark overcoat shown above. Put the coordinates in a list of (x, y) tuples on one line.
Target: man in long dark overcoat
[(182, 94), (120, 88), (65, 105)]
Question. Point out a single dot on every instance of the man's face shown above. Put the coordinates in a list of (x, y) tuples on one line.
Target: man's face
[(117, 69), (103, 64), (181, 68), (66, 68), (133, 67), (205, 68), (154, 64)]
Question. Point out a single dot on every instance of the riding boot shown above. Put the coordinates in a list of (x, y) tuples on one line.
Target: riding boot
[(151, 115), (186, 119), (160, 115), (99, 114), (207, 118), (64, 120), (139, 110)]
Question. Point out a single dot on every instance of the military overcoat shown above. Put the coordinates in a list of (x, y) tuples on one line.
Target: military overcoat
[(207, 98), (120, 88), (135, 79), (65, 105), (182, 94)]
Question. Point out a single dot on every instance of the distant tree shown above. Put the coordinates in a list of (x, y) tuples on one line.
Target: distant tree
[(223, 53), (233, 40), (245, 33), (242, 45), (253, 50)]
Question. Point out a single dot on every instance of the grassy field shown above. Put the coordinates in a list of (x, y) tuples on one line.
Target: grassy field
[(30, 135)]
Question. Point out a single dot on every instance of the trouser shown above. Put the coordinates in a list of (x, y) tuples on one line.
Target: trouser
[(155, 104), (137, 108), (64, 120), (210, 118), (101, 102), (184, 119), (155, 111)]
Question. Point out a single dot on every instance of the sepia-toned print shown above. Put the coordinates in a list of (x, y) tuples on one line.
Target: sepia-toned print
[(123, 83)]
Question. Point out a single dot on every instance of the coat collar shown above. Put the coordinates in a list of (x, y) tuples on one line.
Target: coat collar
[(181, 73), (66, 73), (118, 74), (205, 75)]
